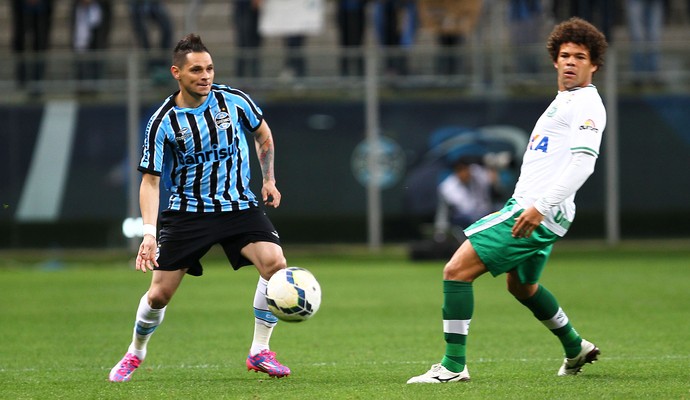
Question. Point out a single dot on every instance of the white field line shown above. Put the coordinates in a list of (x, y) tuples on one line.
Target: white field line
[(351, 363)]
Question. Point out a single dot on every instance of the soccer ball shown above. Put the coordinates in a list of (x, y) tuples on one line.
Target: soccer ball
[(293, 294)]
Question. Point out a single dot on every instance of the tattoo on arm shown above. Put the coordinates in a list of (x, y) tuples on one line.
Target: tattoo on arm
[(266, 153)]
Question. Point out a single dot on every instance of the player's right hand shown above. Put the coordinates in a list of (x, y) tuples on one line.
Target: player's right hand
[(527, 222)]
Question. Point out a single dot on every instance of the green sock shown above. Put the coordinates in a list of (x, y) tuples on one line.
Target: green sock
[(545, 308), (458, 305)]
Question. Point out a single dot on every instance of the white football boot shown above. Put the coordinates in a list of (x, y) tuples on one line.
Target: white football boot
[(439, 374), (588, 354)]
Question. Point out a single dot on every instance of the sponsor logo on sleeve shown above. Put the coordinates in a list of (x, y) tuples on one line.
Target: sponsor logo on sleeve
[(589, 126)]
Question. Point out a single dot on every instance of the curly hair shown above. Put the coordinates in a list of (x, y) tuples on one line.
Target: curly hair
[(189, 44), (577, 30)]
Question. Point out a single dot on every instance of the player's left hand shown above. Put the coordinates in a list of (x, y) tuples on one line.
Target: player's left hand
[(527, 222), (146, 257), (270, 194)]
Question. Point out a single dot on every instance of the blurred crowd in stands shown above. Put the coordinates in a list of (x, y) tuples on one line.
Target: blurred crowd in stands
[(396, 24)]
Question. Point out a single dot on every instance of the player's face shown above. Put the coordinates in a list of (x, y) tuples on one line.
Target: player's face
[(575, 68), (196, 75)]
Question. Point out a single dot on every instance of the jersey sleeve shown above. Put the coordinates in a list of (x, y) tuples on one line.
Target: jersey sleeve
[(576, 173), (154, 142), (587, 126), (251, 115)]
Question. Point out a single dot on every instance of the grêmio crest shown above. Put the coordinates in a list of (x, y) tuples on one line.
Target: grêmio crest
[(222, 120)]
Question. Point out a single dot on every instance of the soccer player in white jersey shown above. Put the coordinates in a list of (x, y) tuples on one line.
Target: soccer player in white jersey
[(517, 240), (200, 130)]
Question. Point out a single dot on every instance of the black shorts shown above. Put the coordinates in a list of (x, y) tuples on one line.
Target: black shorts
[(185, 237)]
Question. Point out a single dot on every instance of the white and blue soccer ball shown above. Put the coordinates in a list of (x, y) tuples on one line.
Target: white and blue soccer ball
[(293, 294)]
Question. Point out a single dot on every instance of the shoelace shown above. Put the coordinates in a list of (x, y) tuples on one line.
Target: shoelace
[(128, 365), (270, 358)]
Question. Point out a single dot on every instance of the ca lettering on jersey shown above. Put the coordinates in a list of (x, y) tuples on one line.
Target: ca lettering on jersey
[(539, 143)]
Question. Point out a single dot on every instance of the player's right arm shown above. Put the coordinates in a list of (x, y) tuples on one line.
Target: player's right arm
[(149, 193)]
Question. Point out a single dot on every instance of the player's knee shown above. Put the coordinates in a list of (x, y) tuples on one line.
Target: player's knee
[(455, 270), (464, 266), (449, 270), (159, 297), (521, 291), (274, 265)]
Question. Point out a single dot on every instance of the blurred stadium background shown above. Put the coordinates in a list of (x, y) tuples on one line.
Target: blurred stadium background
[(67, 145)]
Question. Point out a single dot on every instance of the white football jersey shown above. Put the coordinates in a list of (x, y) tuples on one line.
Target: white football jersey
[(573, 122)]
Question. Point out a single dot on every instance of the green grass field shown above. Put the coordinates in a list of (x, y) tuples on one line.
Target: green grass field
[(64, 324)]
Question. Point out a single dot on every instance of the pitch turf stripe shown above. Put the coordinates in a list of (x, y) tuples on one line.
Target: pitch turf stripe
[(42, 195)]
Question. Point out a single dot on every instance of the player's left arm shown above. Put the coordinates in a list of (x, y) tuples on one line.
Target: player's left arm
[(586, 127), (575, 175), (265, 150)]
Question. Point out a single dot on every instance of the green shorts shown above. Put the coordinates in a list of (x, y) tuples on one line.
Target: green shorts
[(493, 241)]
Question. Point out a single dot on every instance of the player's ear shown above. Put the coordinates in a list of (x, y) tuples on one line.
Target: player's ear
[(175, 71)]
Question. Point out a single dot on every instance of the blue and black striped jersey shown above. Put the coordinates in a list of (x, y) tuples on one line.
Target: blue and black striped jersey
[(207, 149)]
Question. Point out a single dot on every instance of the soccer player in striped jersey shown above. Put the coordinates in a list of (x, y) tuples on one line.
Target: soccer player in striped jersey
[(517, 240), (199, 131)]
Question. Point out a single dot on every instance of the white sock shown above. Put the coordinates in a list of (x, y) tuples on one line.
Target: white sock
[(264, 320), (147, 321)]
